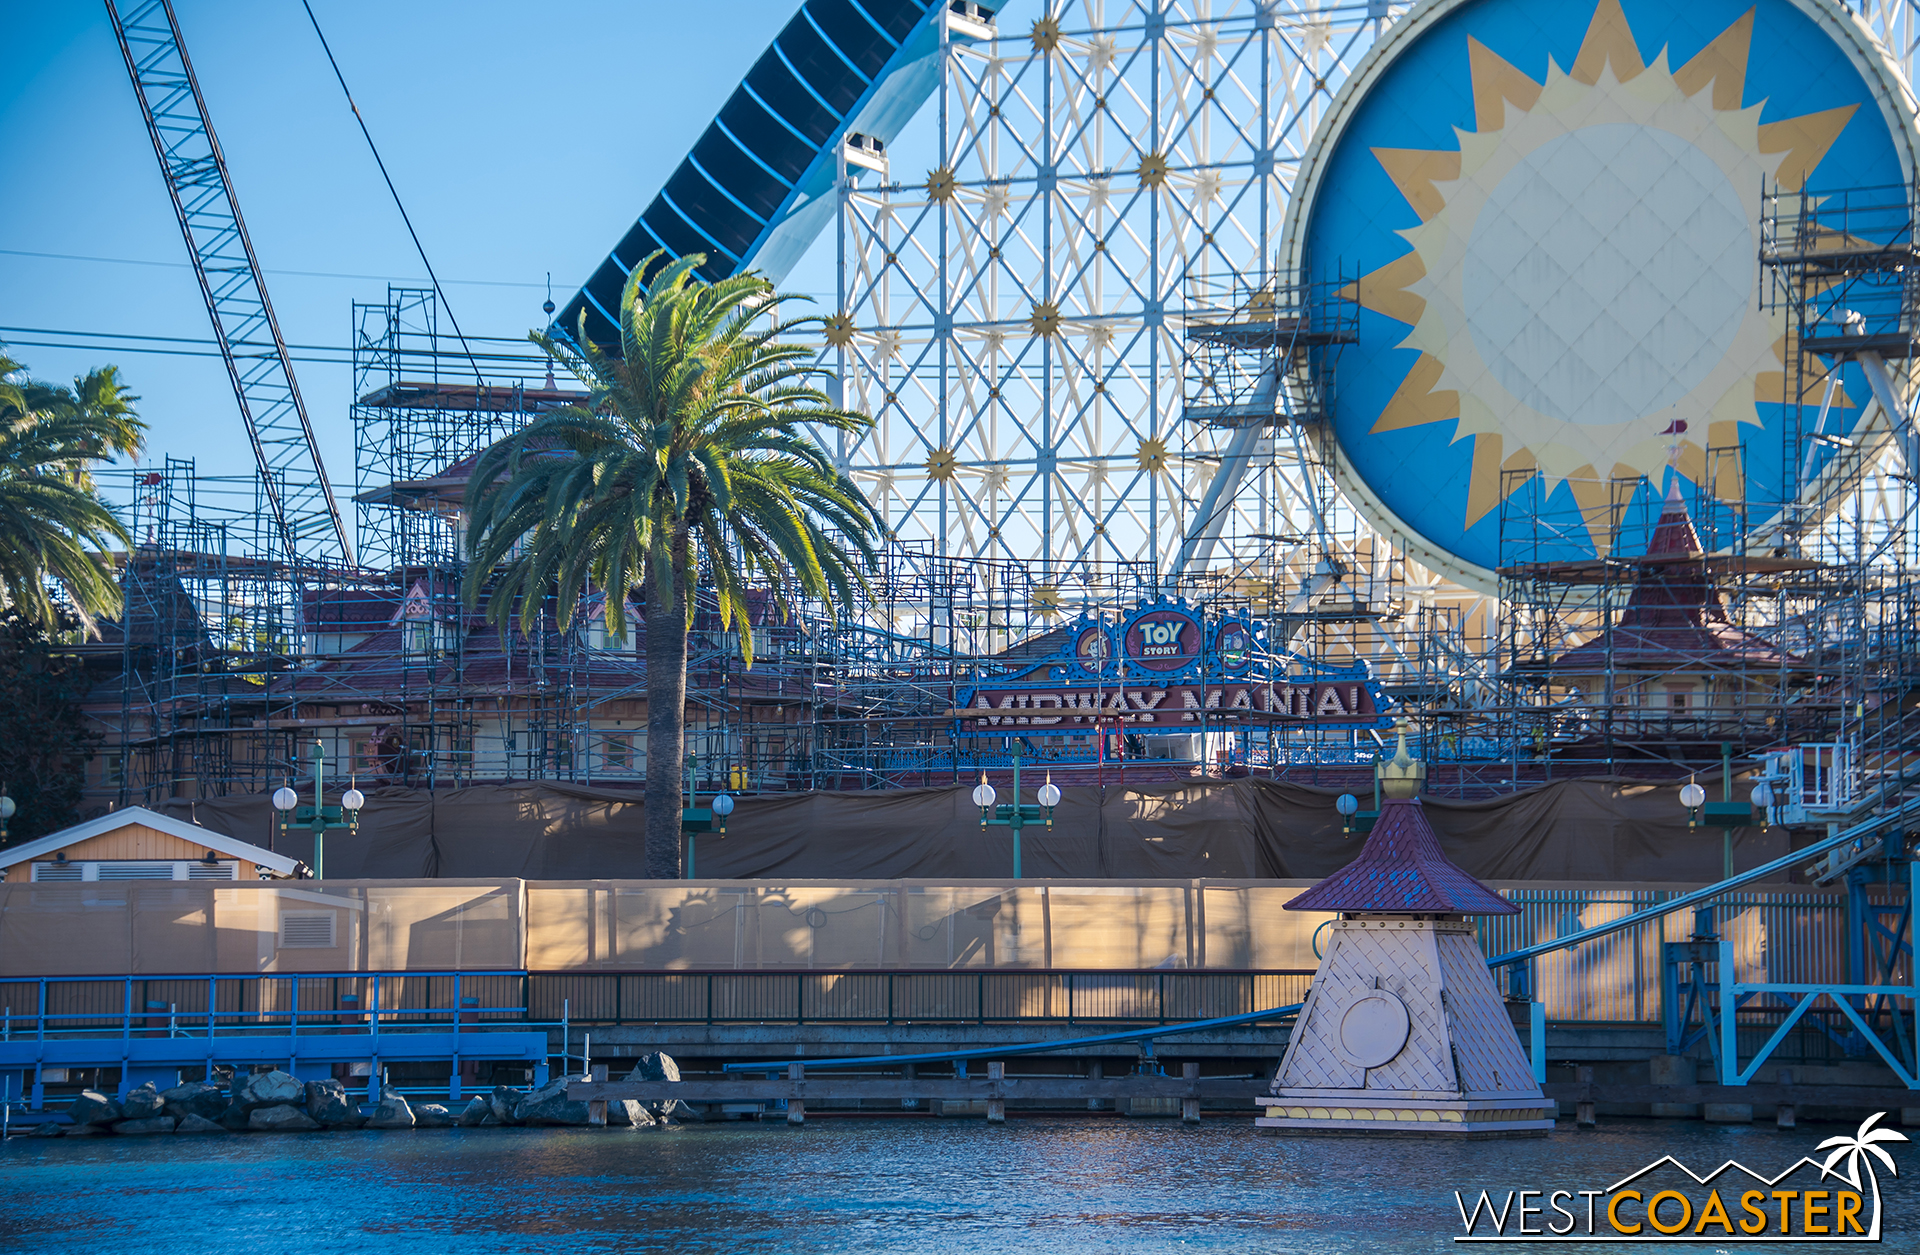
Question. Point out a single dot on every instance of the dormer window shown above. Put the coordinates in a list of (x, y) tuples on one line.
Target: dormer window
[(594, 633)]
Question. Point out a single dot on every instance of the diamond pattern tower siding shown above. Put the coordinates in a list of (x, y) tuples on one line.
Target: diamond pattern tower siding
[(1403, 1031)]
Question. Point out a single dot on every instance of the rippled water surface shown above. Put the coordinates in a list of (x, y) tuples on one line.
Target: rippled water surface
[(1032, 1186)]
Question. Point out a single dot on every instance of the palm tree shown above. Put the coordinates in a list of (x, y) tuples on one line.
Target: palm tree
[(689, 465), (50, 512), (1856, 1149)]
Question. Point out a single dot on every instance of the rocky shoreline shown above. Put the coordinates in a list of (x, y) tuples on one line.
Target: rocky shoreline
[(278, 1102)]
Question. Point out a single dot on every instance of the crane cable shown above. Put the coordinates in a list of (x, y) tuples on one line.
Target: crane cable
[(404, 217)]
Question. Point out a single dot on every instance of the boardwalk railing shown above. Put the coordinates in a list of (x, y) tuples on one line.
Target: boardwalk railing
[(358, 1002)]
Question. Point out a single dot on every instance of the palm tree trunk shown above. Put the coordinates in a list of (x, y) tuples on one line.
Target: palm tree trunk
[(667, 622)]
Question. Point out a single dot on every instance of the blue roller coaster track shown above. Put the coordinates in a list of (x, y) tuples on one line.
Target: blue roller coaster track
[(755, 191)]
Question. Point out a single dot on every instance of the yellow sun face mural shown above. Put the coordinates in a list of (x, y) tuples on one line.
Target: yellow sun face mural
[(1571, 293)]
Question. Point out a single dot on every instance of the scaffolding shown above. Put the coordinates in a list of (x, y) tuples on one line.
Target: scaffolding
[(1783, 621)]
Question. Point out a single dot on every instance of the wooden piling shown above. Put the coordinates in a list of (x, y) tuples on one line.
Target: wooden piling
[(996, 1106), (597, 1107), (1583, 1116), (1190, 1107), (796, 1107), (1783, 1112)]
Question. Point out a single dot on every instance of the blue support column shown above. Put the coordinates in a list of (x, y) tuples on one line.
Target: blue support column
[(1728, 1060)]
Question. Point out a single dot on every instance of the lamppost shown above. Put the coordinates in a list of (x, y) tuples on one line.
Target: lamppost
[(319, 816), (1013, 814), (698, 819)]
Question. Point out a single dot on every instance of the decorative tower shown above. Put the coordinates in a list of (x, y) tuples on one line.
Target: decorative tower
[(1403, 1031)]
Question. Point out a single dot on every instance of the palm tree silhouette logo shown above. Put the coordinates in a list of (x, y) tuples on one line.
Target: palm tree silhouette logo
[(1856, 1151)]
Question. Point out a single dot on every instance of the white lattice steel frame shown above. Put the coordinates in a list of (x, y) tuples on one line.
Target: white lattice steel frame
[(1016, 329)]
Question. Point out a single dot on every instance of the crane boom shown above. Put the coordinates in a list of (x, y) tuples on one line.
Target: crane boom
[(295, 479)]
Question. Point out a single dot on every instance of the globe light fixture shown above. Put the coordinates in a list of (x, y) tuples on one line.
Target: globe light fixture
[(1693, 797), (1348, 805), (722, 807), (983, 797), (7, 809), (1763, 795), (285, 799)]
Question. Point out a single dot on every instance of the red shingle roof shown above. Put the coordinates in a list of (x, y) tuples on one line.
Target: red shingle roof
[(1674, 620)]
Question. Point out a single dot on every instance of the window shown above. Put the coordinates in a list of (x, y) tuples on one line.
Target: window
[(307, 930), (619, 751), (1677, 698)]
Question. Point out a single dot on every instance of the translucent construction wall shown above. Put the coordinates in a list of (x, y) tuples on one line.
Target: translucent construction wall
[(824, 945), (889, 924), (154, 929)]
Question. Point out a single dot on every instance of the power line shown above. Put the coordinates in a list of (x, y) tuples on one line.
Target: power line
[(326, 348), (306, 274), (394, 191)]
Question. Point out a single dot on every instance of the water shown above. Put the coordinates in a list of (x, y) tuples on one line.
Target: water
[(1033, 1186)]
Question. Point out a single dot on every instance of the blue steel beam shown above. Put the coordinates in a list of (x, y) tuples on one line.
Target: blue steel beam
[(319, 1047), (756, 190), (301, 498)]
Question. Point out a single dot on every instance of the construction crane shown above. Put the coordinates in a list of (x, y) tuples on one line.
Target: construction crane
[(294, 478)]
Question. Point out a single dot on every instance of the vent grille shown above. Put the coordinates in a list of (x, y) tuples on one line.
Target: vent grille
[(306, 930), (213, 871), (58, 871), (136, 871)]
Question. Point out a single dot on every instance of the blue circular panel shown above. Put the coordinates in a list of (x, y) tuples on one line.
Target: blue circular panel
[(1554, 210)]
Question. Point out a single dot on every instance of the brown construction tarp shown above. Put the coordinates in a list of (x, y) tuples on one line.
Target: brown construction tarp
[(1599, 829)]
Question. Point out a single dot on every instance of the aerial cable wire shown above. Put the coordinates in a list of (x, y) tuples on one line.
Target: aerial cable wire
[(404, 217)]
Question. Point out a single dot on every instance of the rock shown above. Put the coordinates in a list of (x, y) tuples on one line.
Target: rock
[(558, 1085), (628, 1111), (283, 1119), (268, 1089), (549, 1105), (197, 1124), (674, 1109), (87, 1130), (392, 1113), (432, 1115), (476, 1113), (93, 1107), (655, 1065), (152, 1124), (49, 1128), (492, 1121), (329, 1103), (233, 1119), (556, 1109), (143, 1102), (502, 1101), (195, 1098)]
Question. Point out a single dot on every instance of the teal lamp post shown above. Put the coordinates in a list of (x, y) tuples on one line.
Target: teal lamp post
[(320, 817), (1013, 814)]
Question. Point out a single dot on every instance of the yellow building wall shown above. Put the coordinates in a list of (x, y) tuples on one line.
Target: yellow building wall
[(135, 841)]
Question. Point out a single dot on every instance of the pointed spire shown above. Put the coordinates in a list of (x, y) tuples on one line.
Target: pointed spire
[(1402, 775), (1674, 534)]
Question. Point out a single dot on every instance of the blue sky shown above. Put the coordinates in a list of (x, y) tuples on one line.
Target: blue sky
[(523, 138)]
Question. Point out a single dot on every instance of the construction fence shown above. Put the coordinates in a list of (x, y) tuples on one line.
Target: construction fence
[(729, 950)]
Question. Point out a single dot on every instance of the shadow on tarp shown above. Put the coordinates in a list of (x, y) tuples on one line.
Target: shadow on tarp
[(1596, 829)]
